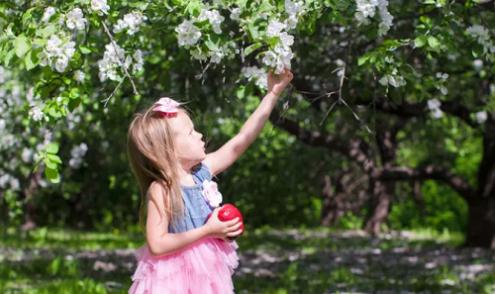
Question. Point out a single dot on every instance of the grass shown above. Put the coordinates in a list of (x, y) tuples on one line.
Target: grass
[(272, 261)]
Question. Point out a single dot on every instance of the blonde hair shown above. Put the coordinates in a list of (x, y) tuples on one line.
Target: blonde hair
[(151, 152)]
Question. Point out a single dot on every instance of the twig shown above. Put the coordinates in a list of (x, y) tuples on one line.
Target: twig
[(113, 92), (114, 44)]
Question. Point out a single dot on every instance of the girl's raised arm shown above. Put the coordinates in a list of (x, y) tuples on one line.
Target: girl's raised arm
[(226, 155)]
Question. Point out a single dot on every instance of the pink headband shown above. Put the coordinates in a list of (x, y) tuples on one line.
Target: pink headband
[(167, 107)]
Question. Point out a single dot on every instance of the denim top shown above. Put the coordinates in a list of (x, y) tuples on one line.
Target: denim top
[(196, 209)]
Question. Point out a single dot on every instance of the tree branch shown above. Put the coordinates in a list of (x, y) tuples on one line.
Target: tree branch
[(429, 172)]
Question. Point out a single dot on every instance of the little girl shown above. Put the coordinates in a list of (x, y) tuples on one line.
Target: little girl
[(183, 254)]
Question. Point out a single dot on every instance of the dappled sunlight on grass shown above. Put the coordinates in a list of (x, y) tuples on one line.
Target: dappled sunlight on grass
[(272, 261)]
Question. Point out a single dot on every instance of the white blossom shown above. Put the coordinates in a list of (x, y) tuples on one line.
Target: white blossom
[(27, 154), (61, 63), (57, 53), (274, 28), (100, 6), (130, 22), (4, 179), (49, 12), (214, 17), (36, 113), (258, 75), (478, 64), (138, 61), (365, 9), (77, 153), (278, 58), (14, 183), (75, 19), (235, 13), (434, 106), (293, 8), (385, 16), (482, 36), (291, 22), (216, 55), (188, 34), (481, 117), (113, 59), (79, 76), (286, 39)]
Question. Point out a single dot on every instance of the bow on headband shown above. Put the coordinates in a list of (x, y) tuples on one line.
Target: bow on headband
[(166, 107)]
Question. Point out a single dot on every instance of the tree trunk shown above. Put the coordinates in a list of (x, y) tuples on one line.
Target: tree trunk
[(481, 223), (381, 199), (481, 219), (382, 192)]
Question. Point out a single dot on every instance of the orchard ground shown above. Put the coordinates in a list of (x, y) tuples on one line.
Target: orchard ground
[(273, 260)]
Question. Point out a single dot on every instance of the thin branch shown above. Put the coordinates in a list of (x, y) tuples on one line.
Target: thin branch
[(113, 92), (122, 62)]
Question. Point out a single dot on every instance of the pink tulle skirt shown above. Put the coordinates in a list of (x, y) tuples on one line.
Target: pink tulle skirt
[(204, 267)]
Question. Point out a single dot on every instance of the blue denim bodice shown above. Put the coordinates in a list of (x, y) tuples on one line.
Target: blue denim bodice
[(195, 206)]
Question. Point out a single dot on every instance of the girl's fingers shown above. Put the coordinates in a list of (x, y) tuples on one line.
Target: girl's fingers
[(234, 234), (235, 227), (232, 222)]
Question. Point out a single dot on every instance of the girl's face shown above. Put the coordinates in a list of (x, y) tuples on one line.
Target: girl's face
[(190, 148)]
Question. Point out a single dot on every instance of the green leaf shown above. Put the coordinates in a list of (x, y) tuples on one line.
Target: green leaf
[(51, 165), (31, 60), (251, 48), (420, 41), (21, 45), (363, 59), (52, 148), (433, 42), (54, 158), (8, 57), (84, 50), (52, 175), (241, 92), (73, 103)]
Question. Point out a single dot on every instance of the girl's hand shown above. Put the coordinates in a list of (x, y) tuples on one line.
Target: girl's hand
[(223, 230), (277, 83)]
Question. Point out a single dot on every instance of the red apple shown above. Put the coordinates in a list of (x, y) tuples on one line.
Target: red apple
[(228, 212)]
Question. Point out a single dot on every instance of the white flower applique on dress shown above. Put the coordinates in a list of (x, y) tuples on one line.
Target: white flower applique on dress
[(211, 194)]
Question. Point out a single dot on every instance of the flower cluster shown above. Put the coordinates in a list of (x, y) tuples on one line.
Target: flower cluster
[(434, 106), (482, 36), (187, 34), (114, 59), (214, 17), (258, 75), (366, 9), (57, 53), (481, 116), (75, 19), (393, 79), (440, 85), (281, 55), (100, 6), (77, 153), (293, 10), (48, 13), (130, 22)]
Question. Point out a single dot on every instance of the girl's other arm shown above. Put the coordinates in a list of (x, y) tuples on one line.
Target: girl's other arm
[(161, 242), (226, 155)]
